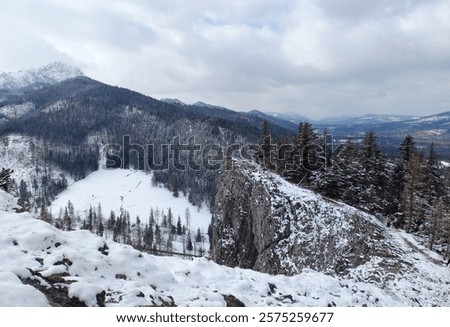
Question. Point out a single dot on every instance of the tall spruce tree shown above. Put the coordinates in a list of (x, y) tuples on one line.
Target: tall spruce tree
[(413, 200), (397, 186), (305, 156), (265, 155), (373, 161)]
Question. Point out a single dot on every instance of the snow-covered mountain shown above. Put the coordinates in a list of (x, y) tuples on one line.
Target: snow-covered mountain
[(274, 120), (49, 74), (367, 119), (292, 117), (43, 266), (207, 105), (173, 101), (441, 118)]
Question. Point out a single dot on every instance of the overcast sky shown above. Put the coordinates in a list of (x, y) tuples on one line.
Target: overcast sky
[(314, 57)]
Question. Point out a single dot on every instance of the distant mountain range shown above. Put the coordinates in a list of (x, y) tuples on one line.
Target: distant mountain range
[(18, 101), (366, 119)]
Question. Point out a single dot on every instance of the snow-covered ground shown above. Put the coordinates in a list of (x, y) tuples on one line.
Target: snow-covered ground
[(133, 191), (34, 252), (16, 110)]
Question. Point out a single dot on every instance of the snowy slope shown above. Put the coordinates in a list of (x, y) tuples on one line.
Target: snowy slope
[(49, 74), (131, 190), (20, 153), (40, 265), (16, 110), (173, 101)]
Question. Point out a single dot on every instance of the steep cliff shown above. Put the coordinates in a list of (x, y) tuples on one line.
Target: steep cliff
[(264, 223)]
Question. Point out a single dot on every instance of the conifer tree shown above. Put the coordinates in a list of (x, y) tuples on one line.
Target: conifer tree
[(189, 246), (101, 228), (436, 223), (158, 236), (198, 236), (148, 237), (138, 242), (413, 198), (169, 218), (265, 155), (179, 226), (5, 179), (305, 156), (434, 186)]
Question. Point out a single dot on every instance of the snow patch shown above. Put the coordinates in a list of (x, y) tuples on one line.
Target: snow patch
[(131, 190)]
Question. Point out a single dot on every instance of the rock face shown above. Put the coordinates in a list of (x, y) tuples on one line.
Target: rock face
[(264, 223)]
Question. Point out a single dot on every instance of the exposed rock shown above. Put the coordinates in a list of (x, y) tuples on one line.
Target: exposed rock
[(57, 294), (65, 262), (121, 276), (232, 301), (55, 289), (104, 249), (101, 298), (264, 223)]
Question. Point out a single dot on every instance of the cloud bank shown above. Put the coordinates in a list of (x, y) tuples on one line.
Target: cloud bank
[(313, 57)]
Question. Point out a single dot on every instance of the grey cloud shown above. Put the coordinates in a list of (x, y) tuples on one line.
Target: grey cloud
[(316, 57)]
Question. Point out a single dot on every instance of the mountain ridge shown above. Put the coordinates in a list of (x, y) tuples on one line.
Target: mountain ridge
[(49, 74)]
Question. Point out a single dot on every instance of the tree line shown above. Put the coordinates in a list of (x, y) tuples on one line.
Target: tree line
[(161, 232), (409, 191)]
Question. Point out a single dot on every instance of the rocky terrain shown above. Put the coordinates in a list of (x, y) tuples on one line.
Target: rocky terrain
[(264, 223)]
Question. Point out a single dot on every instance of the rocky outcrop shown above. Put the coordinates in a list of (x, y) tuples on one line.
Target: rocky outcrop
[(264, 223)]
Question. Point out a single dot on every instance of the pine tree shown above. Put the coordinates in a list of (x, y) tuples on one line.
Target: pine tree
[(198, 236), (434, 186), (179, 226), (437, 219), (187, 218), (148, 237), (397, 187), (158, 237), (169, 218), (100, 229), (265, 156), (67, 220), (189, 246), (5, 179), (45, 215), (151, 218), (374, 164), (138, 242), (305, 157), (111, 221), (413, 198), (24, 196), (169, 244), (90, 220), (285, 156)]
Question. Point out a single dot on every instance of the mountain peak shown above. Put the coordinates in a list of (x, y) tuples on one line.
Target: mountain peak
[(173, 101), (49, 74)]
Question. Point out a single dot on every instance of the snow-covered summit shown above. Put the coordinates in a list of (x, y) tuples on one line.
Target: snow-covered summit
[(49, 74), (173, 101), (207, 105)]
